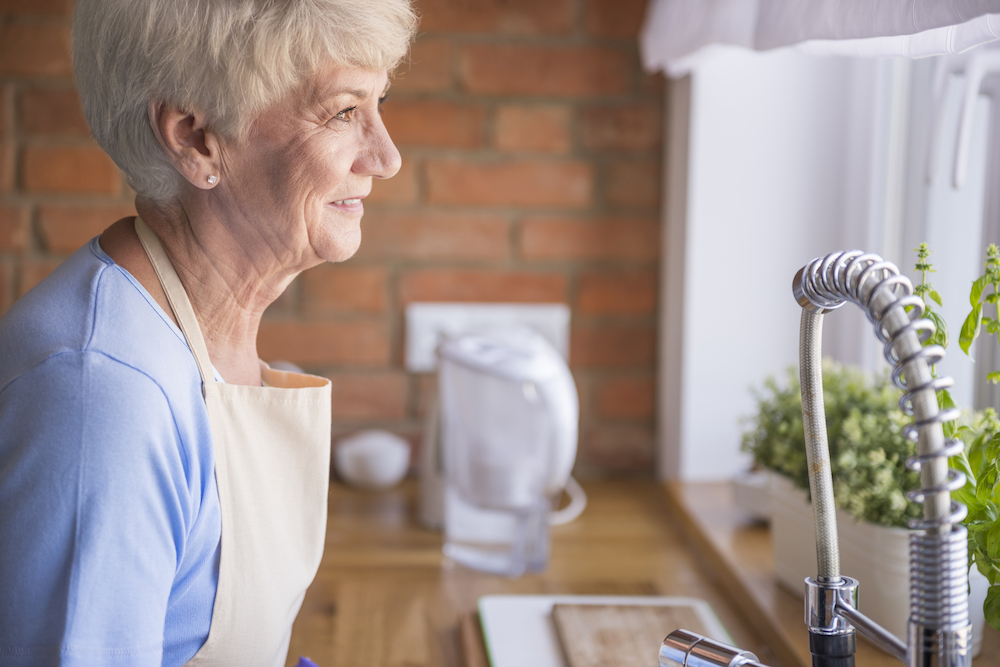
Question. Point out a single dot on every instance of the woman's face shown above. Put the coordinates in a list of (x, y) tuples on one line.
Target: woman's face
[(301, 178)]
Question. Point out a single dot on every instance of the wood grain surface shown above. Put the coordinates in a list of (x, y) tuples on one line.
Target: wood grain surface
[(386, 597), (473, 645), (618, 635)]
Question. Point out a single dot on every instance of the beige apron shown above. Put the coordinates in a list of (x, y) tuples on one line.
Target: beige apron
[(272, 466)]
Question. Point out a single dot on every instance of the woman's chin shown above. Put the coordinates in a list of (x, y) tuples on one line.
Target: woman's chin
[(339, 247)]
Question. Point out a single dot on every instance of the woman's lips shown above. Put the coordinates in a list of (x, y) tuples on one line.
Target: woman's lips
[(349, 205)]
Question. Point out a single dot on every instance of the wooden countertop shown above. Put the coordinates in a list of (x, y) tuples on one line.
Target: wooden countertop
[(385, 596), (739, 551)]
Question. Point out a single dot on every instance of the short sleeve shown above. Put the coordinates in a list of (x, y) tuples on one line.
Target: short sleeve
[(94, 509)]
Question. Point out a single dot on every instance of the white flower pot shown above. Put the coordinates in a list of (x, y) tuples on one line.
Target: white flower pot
[(877, 556)]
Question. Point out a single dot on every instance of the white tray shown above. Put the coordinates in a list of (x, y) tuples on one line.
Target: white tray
[(519, 631)]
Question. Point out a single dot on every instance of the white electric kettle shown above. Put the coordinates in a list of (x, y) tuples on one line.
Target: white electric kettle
[(509, 416)]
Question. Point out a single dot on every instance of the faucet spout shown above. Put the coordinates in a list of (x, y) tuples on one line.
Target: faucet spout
[(939, 614)]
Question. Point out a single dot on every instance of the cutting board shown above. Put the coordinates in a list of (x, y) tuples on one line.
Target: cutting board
[(619, 635), (520, 631)]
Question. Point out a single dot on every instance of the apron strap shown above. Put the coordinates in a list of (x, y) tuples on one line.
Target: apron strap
[(177, 296)]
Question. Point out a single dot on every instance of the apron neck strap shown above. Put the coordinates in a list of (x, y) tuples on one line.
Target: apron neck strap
[(177, 297)]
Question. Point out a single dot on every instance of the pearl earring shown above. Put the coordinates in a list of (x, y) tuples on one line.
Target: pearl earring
[(212, 179)]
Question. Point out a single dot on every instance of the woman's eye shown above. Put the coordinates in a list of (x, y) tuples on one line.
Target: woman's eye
[(346, 113), (381, 101)]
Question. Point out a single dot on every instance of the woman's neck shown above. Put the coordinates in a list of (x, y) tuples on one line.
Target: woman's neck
[(229, 286)]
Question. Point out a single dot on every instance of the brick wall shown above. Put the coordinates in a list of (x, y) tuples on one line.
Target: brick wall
[(531, 145)]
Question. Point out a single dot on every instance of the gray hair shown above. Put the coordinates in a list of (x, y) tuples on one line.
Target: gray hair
[(230, 59)]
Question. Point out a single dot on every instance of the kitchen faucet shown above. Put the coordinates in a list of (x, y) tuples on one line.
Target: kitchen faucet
[(939, 633)]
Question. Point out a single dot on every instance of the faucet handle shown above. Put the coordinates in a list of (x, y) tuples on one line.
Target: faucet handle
[(683, 648)]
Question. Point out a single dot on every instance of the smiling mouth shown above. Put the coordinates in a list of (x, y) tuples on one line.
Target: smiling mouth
[(348, 202)]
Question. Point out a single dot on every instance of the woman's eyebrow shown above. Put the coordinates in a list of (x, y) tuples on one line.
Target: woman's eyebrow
[(327, 94), (358, 93)]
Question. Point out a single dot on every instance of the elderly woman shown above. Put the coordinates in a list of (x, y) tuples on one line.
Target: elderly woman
[(163, 492)]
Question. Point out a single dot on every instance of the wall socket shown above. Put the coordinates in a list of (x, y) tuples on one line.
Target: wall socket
[(429, 324)]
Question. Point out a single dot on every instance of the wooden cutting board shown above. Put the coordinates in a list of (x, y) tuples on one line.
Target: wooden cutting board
[(618, 635)]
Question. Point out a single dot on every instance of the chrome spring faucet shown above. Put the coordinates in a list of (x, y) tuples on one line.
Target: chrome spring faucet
[(939, 633)]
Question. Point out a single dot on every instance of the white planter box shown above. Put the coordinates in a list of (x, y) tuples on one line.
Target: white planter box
[(877, 556)]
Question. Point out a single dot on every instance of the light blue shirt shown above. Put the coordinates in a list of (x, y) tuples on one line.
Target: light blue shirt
[(109, 513)]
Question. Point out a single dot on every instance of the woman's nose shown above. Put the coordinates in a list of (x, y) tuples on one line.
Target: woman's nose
[(378, 156)]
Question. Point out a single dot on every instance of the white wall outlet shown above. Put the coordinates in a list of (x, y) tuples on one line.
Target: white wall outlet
[(429, 324)]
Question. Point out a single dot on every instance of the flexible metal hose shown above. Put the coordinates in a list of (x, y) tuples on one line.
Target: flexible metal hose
[(817, 448)]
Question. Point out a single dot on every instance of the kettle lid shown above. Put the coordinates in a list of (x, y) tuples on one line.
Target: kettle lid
[(513, 353)]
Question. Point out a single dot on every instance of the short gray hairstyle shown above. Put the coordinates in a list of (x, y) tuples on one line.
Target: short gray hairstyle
[(230, 59)]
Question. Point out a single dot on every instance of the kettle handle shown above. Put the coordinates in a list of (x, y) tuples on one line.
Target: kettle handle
[(560, 397), (577, 503)]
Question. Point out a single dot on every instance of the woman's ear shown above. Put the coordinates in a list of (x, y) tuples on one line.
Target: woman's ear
[(191, 147)]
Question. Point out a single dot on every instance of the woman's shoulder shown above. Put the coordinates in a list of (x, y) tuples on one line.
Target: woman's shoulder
[(90, 304)]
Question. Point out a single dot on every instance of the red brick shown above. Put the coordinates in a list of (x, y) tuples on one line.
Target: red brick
[(632, 127), (6, 116), (324, 343), (369, 396), (34, 272), (435, 123), (634, 238), (14, 227), (37, 7), (429, 236), (634, 184), (427, 70), (400, 189), (653, 84), (617, 292), (627, 398), (469, 285), (619, 447), (66, 228), (615, 18), (52, 112), (517, 17), (6, 166), (544, 129), (510, 183), (612, 346), (35, 50), (568, 71), (334, 288), (70, 169)]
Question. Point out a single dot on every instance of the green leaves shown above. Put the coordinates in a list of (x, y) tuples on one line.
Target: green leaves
[(970, 328), (981, 495), (979, 296), (992, 606), (978, 285), (993, 539), (940, 336), (867, 449)]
